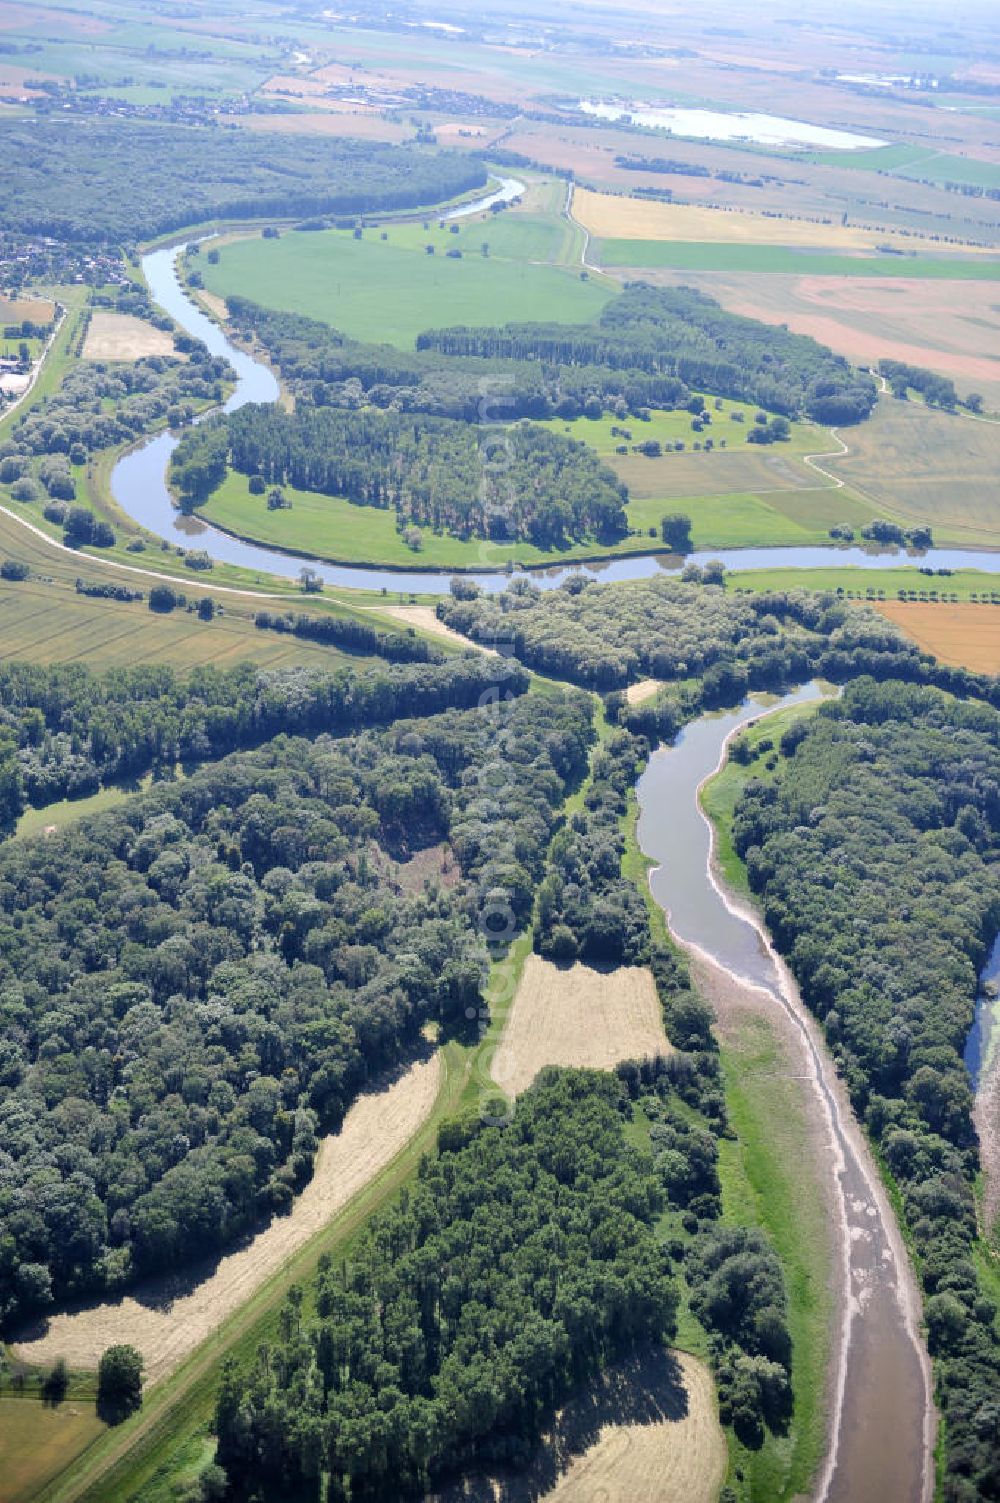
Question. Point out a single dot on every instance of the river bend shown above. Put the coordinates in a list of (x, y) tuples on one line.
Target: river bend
[(881, 1423), (138, 484)]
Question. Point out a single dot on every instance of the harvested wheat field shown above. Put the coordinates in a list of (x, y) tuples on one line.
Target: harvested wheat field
[(966, 635), (646, 1431), (168, 1318), (37, 310), (678, 1457), (637, 694), (576, 1015), (424, 618), (119, 336), (613, 217)]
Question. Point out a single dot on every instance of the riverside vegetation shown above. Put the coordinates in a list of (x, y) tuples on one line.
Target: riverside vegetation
[(874, 842), (196, 983), (404, 429)]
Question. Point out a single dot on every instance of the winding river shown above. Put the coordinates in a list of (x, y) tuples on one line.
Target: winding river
[(882, 1417), (138, 484)]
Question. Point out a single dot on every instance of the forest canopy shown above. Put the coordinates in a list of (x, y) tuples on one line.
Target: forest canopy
[(523, 1260), (120, 181), (195, 985), (674, 629), (680, 332), (650, 347)]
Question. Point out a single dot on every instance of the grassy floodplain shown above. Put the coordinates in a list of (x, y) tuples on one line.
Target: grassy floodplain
[(334, 528), (388, 291), (781, 501), (868, 584)]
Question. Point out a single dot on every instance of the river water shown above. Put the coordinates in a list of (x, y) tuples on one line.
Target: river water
[(880, 1406), (138, 484)]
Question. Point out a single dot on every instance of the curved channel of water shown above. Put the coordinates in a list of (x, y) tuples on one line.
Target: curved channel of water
[(138, 484), (881, 1413)]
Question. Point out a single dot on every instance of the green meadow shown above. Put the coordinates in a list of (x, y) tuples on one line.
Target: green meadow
[(388, 291)]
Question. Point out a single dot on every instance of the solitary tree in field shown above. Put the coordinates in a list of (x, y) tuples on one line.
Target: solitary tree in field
[(119, 1382)]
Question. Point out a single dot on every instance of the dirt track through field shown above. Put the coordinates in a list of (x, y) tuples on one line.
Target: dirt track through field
[(167, 1318), (575, 1015), (646, 1431)]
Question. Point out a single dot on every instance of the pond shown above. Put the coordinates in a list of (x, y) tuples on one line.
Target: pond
[(726, 125)]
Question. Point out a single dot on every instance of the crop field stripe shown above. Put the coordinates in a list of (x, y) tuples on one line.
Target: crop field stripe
[(705, 255)]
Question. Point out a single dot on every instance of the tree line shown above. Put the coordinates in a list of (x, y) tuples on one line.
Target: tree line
[(689, 628), (326, 368), (196, 984), (875, 849), (678, 331), (650, 347), (524, 1260)]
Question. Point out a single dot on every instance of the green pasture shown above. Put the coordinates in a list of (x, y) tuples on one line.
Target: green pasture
[(668, 427), (512, 235), (389, 291), (871, 584), (333, 528), (876, 159), (940, 167)]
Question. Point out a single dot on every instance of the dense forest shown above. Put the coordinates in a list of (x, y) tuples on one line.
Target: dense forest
[(875, 849), (65, 730), (677, 629), (327, 368), (120, 181), (196, 984), (434, 472), (523, 1260), (651, 347), (586, 910), (678, 331)]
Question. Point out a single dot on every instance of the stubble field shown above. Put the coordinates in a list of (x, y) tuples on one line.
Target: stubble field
[(967, 635), (575, 1015)]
